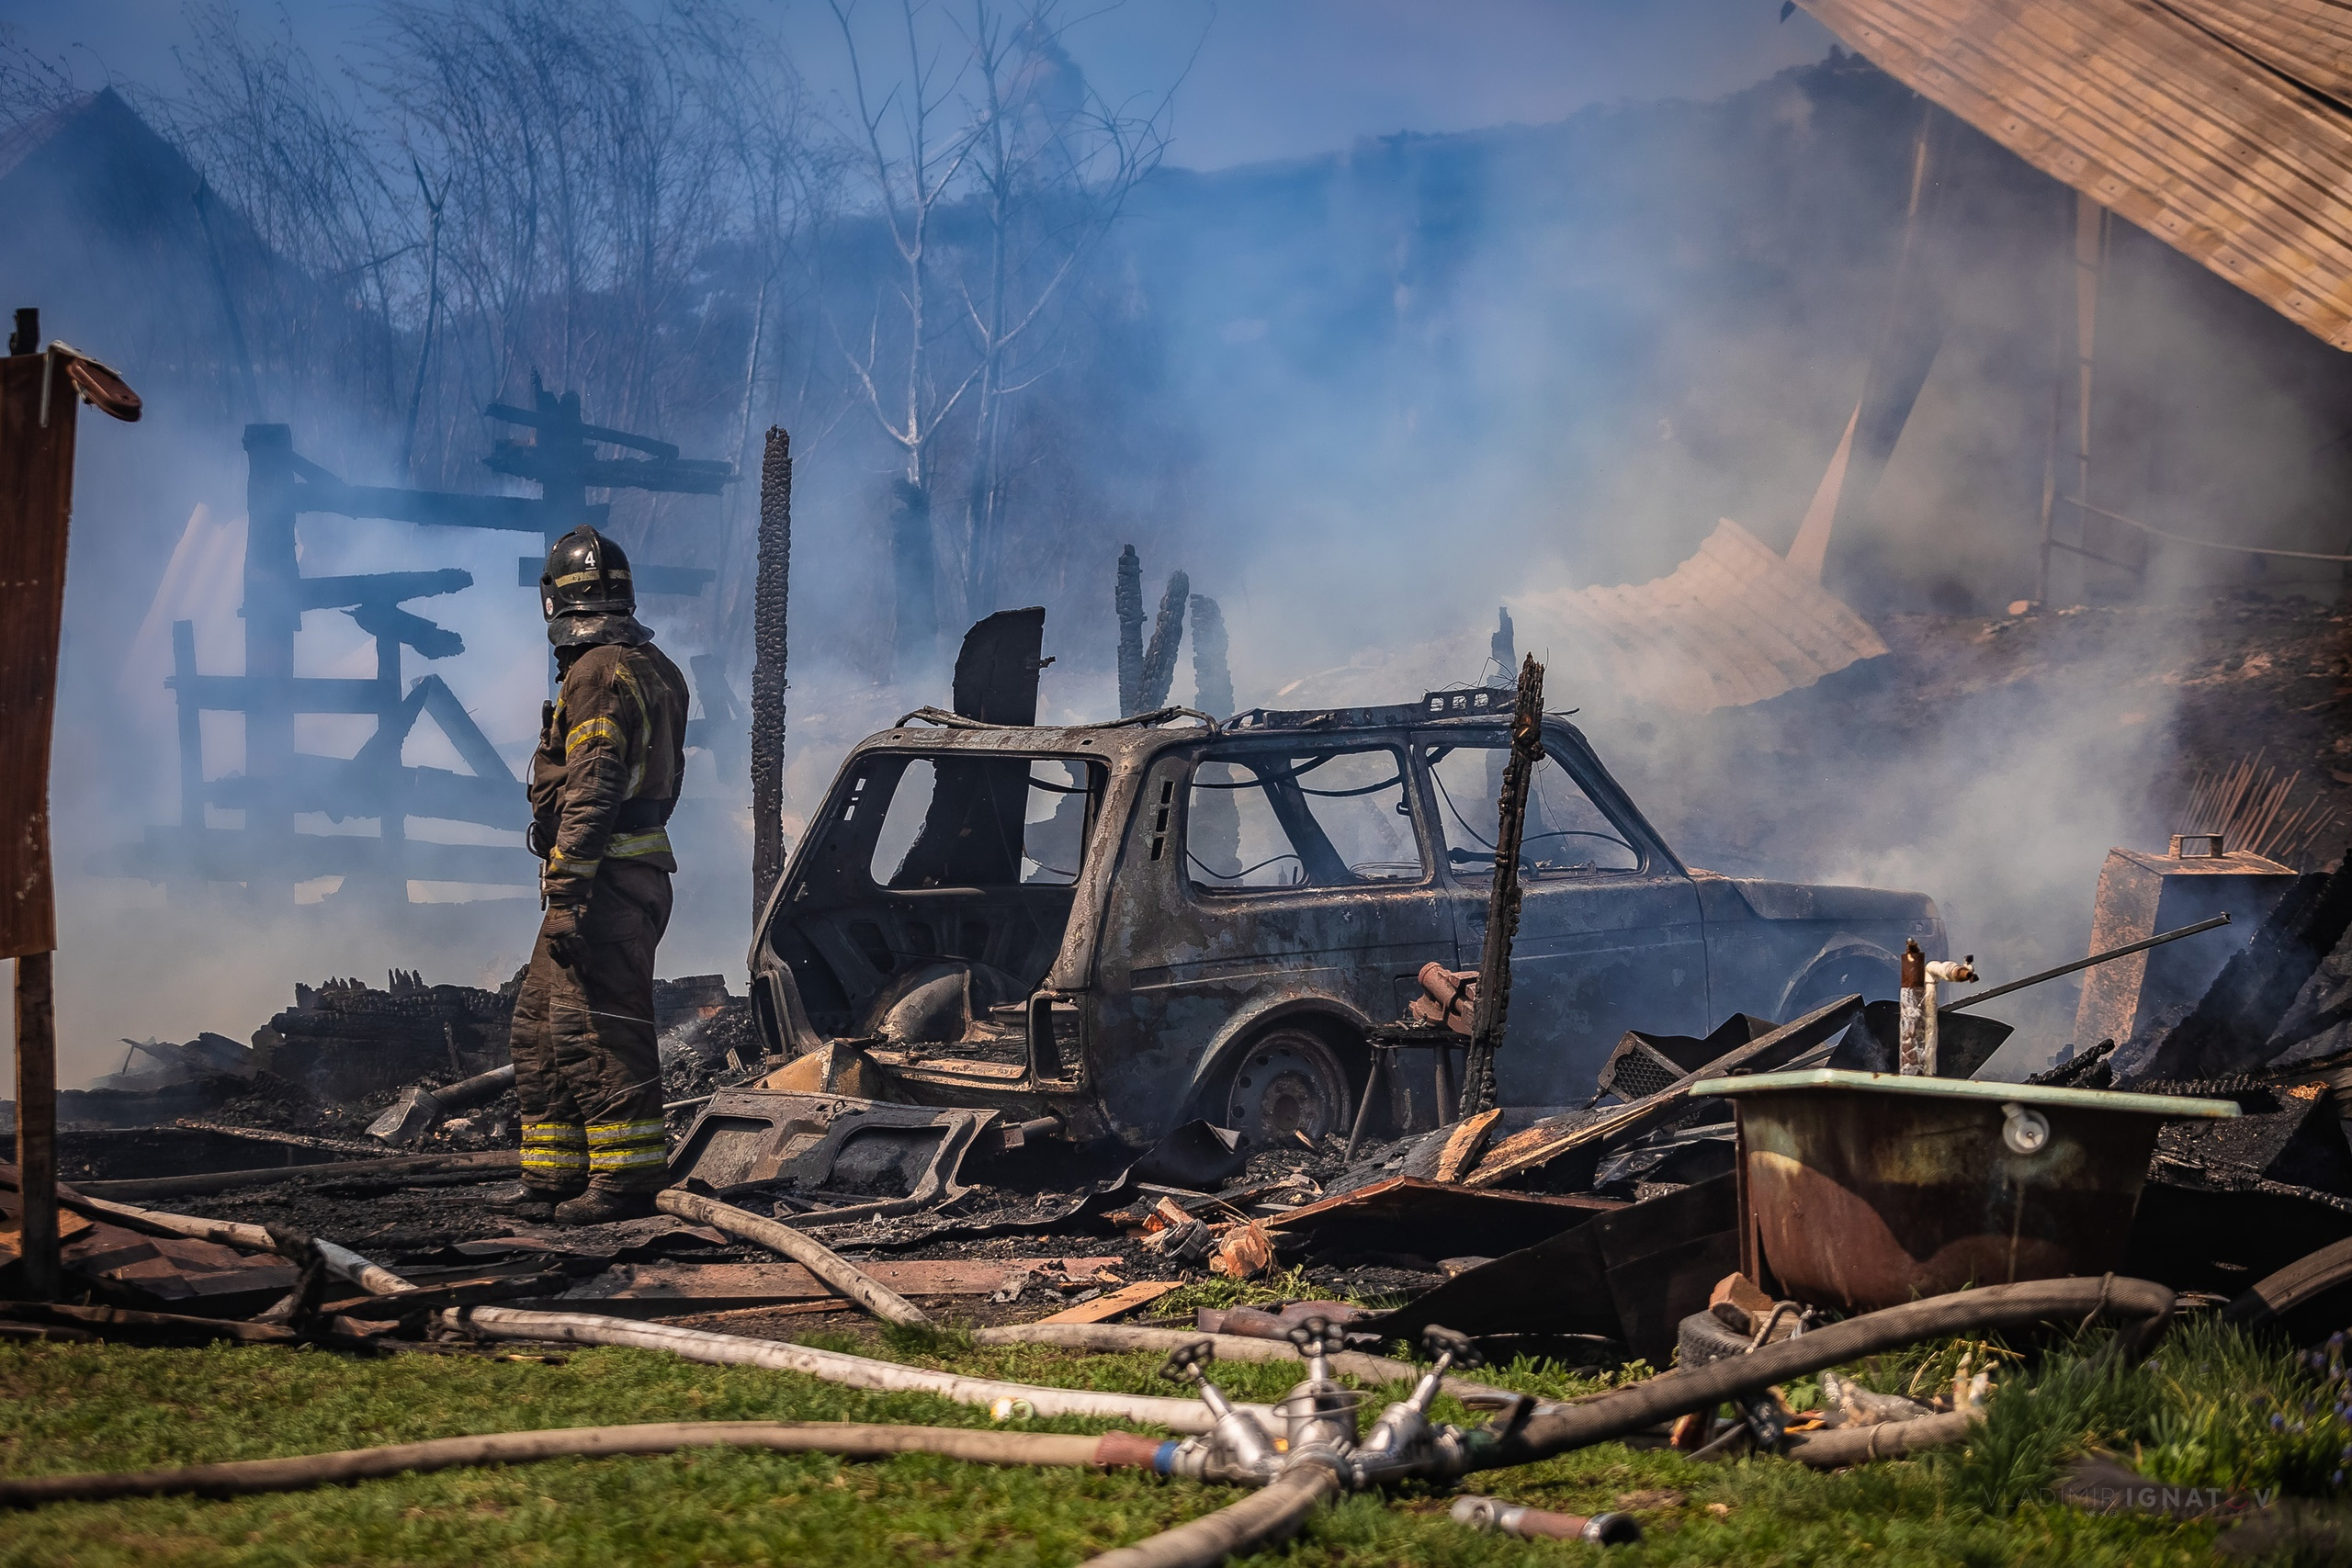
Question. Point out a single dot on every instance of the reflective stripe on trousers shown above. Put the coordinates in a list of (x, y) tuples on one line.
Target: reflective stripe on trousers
[(558, 1149), (614, 1146)]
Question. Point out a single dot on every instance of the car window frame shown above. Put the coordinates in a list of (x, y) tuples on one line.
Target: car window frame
[(1397, 743), (1648, 852), (849, 808)]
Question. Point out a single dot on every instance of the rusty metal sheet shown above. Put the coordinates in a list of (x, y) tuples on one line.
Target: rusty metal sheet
[(1629, 1276), (1406, 1216), (188, 1276), (2218, 126), (37, 409), (903, 1156), (1733, 625), (2206, 1238), (1656, 1290)]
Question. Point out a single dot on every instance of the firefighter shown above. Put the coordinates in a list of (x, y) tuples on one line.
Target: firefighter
[(604, 781)]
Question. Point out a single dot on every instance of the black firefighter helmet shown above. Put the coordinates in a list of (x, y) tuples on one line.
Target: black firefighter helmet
[(586, 574)]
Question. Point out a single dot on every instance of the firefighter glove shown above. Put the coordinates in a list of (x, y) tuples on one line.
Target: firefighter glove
[(567, 943)]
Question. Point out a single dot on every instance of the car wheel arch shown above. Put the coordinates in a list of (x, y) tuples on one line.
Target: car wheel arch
[(1839, 954)]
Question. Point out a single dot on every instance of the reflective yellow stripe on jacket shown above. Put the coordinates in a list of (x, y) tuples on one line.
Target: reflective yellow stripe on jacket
[(630, 846)]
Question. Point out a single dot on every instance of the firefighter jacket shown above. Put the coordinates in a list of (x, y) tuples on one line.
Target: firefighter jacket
[(606, 773)]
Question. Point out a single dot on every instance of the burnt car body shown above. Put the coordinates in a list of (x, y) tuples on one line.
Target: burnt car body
[(1128, 925)]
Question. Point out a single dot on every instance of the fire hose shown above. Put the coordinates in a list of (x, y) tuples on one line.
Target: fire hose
[(1321, 1455), (836, 1272), (832, 1366), (2142, 1309), (848, 1440), (1273, 1513)]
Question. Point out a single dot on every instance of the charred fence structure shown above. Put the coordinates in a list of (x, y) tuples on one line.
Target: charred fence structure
[(279, 782)]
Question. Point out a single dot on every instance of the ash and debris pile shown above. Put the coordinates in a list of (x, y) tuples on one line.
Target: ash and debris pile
[(344, 1040), (330, 1064)]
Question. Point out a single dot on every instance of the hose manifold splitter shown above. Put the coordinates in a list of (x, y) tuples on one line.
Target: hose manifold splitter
[(1319, 1420)]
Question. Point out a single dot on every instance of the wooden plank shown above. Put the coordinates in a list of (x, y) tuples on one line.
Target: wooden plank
[(487, 1161), (1467, 1143), (651, 1289), (1114, 1304), (69, 1225), (2308, 40)]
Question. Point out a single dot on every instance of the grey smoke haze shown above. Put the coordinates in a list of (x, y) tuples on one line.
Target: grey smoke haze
[(1362, 393)]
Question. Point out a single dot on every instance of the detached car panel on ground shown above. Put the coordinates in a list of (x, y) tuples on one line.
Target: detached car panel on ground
[(1128, 925)]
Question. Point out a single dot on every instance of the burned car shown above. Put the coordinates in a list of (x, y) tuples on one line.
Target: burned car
[(1131, 924)]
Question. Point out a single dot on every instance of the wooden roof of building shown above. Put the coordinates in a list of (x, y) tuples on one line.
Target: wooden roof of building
[(2221, 127)]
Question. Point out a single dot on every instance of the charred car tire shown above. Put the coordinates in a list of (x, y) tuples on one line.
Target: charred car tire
[(1703, 1337), (1288, 1079)]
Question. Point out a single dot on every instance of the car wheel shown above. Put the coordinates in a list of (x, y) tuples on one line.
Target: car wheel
[(1288, 1081)]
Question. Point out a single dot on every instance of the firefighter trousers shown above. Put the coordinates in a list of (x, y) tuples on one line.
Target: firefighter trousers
[(586, 1064)]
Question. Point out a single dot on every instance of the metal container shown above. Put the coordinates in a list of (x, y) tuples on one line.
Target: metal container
[(1869, 1190), (2140, 895)]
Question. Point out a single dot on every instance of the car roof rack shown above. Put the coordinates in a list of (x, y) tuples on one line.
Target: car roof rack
[(947, 720), (1487, 703)]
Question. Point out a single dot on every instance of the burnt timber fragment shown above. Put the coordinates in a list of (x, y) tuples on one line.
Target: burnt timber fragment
[(1126, 601), (2231, 1028), (770, 621), (1166, 634), (1502, 907)]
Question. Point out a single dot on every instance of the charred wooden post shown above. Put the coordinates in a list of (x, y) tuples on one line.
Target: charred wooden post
[(37, 1125), (1167, 636), (273, 617), (770, 603), (1503, 904), (560, 458), (1214, 834), (1212, 674), (39, 393), (1127, 600)]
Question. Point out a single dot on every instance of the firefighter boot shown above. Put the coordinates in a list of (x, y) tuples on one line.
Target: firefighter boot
[(526, 1203), (601, 1205)]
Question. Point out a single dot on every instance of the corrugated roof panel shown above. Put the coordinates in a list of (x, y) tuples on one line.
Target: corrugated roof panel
[(2216, 125), (1733, 625)]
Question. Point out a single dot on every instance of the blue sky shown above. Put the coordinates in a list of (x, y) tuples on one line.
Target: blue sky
[(1268, 78)]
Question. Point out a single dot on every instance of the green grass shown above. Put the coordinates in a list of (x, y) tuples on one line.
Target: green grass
[(1216, 1291), (2193, 1419)]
